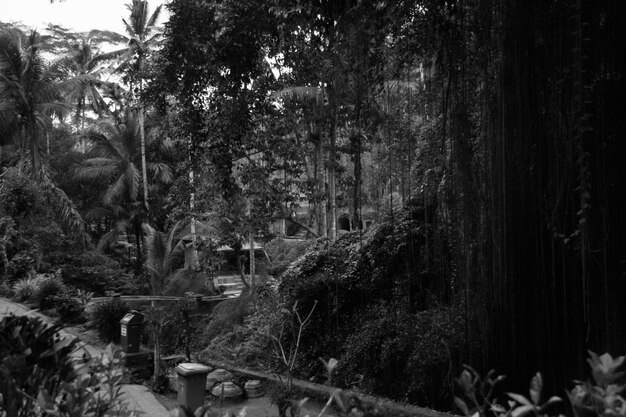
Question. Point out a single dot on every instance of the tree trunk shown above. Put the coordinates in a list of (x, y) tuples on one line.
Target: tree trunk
[(252, 260), (144, 172), (192, 227), (356, 201), (332, 162), (320, 187), (34, 152)]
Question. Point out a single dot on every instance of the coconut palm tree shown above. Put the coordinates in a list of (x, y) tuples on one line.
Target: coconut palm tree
[(83, 59), (116, 155), (29, 92), (161, 251), (142, 34)]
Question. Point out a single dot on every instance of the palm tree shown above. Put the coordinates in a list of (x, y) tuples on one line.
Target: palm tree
[(121, 221), (29, 92), (117, 156), (141, 35), (161, 251), (83, 59)]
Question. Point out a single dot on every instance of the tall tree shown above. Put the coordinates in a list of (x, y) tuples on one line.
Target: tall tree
[(142, 35), (117, 156), (82, 58), (30, 92)]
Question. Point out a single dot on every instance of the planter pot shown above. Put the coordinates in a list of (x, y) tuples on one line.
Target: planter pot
[(226, 389), (254, 388), (217, 376)]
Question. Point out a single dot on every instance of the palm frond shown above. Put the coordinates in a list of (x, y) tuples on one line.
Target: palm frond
[(66, 212), (171, 236), (100, 36), (100, 135), (94, 172), (99, 213), (115, 191), (129, 29), (156, 245), (154, 17), (133, 178), (161, 172), (107, 240)]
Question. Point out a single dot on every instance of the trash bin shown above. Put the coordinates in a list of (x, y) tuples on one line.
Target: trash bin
[(191, 384), (130, 331)]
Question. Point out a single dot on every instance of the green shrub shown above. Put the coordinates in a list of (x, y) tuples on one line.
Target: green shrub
[(49, 287), (25, 288), (401, 355), (105, 318), (283, 252), (21, 265), (31, 357), (5, 290), (99, 279), (20, 196), (38, 373), (227, 315), (39, 288), (69, 308)]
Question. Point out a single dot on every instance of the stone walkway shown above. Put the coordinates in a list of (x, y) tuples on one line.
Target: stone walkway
[(137, 398)]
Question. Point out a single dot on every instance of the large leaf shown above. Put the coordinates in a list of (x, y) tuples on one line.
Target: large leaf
[(536, 385)]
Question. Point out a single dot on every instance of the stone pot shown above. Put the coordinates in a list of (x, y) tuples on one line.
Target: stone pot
[(254, 388), (217, 376), (226, 389)]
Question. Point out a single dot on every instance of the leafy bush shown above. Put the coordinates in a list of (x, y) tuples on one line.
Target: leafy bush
[(69, 308), (31, 356), (25, 288), (401, 356), (227, 315), (247, 342), (93, 272), (21, 265), (605, 395), (105, 318), (39, 376), (283, 252), (20, 195), (49, 287), (379, 310)]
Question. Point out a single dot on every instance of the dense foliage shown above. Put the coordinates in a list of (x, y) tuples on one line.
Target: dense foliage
[(40, 377), (488, 134)]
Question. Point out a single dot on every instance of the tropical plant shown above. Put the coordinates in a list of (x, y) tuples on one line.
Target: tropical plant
[(83, 59), (116, 156), (604, 396), (161, 251), (142, 34), (40, 377), (30, 92), (483, 396), (7, 231), (105, 318)]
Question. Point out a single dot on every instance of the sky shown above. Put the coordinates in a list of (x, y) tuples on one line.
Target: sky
[(79, 15)]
